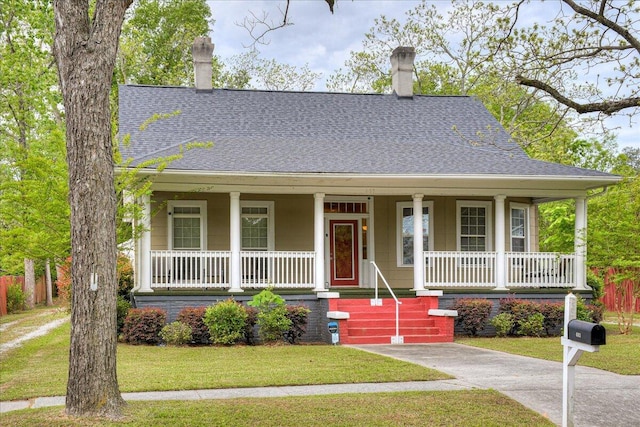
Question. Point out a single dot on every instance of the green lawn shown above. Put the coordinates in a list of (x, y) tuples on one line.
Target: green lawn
[(451, 408), (621, 354), (40, 366)]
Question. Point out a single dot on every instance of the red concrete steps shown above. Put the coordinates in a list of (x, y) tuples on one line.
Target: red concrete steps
[(360, 322)]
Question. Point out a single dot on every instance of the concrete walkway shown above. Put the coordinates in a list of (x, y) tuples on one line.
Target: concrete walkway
[(601, 398), (234, 393)]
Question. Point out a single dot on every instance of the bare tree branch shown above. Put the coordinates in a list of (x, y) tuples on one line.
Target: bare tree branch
[(607, 107), (599, 17), (258, 28), (605, 40)]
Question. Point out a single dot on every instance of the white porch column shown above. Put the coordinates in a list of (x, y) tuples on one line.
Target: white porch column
[(580, 243), (144, 247), (318, 240), (501, 277), (234, 244), (418, 250)]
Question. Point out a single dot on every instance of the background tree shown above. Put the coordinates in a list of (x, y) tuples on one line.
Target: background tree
[(33, 224), (269, 74), (614, 227), (589, 58), (155, 46)]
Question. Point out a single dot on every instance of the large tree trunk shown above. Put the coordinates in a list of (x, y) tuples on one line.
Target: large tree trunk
[(85, 49), (30, 283)]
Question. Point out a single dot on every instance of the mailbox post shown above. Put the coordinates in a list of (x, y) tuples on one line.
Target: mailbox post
[(335, 335), (579, 336)]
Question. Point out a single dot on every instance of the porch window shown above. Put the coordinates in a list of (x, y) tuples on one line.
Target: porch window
[(404, 231), (474, 226), (187, 224), (257, 226), (519, 228)]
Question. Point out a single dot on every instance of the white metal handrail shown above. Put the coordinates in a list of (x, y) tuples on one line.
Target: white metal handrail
[(397, 339)]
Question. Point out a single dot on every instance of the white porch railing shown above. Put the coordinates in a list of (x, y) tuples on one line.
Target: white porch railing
[(283, 269), (212, 269), (540, 269), (190, 269), (460, 269), (478, 269)]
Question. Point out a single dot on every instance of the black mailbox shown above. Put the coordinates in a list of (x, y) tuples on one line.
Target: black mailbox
[(587, 332)]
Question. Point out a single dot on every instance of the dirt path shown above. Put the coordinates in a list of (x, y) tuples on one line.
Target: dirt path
[(37, 332)]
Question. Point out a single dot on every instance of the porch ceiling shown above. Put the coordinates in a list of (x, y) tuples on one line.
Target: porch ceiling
[(355, 184)]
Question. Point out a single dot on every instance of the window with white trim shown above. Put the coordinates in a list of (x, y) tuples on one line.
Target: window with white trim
[(474, 220), (519, 227), (257, 228), (187, 225), (404, 231)]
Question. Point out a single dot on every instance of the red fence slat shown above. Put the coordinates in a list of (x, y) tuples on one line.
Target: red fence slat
[(610, 292)]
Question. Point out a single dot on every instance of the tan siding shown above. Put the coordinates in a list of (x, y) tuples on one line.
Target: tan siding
[(293, 219), (293, 222)]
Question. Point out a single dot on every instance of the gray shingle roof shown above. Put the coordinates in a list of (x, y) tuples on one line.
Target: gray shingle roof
[(315, 132)]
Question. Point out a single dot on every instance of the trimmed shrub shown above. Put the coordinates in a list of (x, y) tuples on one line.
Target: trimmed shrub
[(273, 322), (176, 333), (122, 306), (252, 319), (227, 321), (472, 314), (143, 325), (193, 316), (16, 298), (553, 313), (588, 312), (503, 323), (519, 309), (298, 315), (532, 326)]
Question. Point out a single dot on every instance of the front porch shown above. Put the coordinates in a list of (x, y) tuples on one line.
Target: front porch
[(230, 242), (281, 270)]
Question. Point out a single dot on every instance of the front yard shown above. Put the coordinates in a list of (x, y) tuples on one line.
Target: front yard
[(621, 354), (39, 368)]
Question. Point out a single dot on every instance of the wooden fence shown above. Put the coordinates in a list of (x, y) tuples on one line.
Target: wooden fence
[(610, 294), (5, 281)]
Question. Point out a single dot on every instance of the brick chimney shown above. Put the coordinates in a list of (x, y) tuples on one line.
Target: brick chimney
[(202, 51), (402, 71)]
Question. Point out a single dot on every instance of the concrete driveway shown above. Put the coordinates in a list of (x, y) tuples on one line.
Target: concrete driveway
[(601, 398)]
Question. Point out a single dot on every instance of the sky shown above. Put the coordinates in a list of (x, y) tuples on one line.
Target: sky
[(324, 41)]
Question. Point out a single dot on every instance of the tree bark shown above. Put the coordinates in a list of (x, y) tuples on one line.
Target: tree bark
[(30, 283), (48, 284), (85, 49)]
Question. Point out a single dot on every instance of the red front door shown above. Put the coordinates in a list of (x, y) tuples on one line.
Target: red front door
[(343, 254)]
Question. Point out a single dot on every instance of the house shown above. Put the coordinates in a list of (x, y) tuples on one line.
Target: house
[(315, 194)]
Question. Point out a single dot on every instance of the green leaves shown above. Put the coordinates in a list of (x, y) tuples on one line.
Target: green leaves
[(156, 39), (34, 214)]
